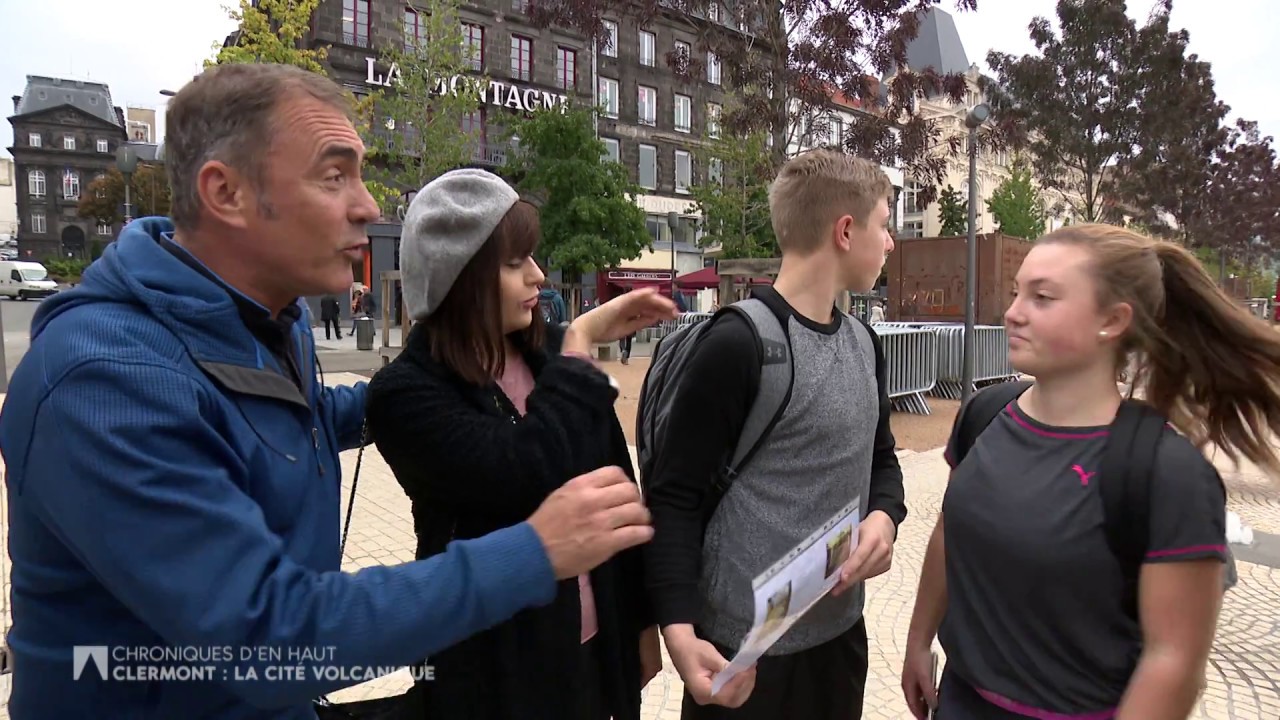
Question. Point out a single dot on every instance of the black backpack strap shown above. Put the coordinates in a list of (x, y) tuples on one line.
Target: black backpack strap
[(977, 414), (772, 394), (1128, 462)]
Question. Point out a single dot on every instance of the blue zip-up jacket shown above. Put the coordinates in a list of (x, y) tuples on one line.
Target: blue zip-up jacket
[(169, 488)]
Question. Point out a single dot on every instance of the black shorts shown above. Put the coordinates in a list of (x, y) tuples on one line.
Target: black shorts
[(825, 682)]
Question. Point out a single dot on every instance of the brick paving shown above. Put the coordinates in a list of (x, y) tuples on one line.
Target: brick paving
[(1243, 678)]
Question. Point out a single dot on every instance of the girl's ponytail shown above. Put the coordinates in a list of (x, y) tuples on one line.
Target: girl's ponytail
[(1196, 354)]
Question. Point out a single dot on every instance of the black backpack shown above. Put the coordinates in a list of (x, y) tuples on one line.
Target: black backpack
[(1128, 462), (669, 360)]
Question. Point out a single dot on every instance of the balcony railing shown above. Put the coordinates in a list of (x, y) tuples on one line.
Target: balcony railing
[(360, 40)]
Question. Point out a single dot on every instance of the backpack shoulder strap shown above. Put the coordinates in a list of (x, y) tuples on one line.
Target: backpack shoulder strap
[(982, 408), (776, 377), (1128, 462)]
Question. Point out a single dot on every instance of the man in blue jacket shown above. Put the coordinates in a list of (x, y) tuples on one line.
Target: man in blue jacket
[(172, 459)]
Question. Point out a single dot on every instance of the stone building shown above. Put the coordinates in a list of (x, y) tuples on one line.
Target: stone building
[(65, 134)]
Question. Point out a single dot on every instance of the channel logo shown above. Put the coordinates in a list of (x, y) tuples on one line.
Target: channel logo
[(82, 654)]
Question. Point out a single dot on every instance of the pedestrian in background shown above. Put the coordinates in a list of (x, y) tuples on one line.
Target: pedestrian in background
[(329, 315)]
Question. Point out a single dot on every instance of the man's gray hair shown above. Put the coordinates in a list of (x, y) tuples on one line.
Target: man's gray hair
[(227, 114)]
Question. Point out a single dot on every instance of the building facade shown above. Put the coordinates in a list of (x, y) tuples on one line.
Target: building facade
[(938, 46), (65, 134)]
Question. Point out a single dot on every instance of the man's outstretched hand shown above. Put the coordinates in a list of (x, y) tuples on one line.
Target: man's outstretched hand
[(590, 519)]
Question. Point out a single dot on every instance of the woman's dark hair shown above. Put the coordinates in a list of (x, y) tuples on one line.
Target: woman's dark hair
[(1196, 354), (465, 332)]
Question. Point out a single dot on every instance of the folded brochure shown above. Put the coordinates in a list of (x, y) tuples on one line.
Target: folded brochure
[(792, 585)]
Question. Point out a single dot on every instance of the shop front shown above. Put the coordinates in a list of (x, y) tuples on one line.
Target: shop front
[(612, 283)]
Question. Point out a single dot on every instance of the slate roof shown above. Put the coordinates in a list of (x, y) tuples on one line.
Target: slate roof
[(45, 93), (937, 45)]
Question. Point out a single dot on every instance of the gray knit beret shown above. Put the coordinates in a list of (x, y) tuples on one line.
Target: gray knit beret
[(447, 223)]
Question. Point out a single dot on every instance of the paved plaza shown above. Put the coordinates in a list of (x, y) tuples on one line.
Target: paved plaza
[(1243, 681)]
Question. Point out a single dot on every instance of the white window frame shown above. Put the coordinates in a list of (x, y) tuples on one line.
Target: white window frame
[(103, 146), (68, 142), (610, 46), (104, 229), (684, 167), (39, 223), (35, 140), (646, 110), (36, 183), (682, 113), (609, 96), (71, 185), (713, 68), (652, 152), (648, 48), (612, 149), (713, 119)]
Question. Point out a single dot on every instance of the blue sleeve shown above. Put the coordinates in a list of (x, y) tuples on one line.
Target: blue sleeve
[(348, 403), (124, 468)]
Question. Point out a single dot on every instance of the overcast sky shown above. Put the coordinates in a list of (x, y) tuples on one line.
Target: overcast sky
[(153, 46)]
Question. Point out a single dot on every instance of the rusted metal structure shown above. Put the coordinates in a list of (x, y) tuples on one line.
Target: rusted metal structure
[(927, 278)]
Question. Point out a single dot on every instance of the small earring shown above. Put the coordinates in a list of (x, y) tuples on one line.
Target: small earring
[(1102, 333)]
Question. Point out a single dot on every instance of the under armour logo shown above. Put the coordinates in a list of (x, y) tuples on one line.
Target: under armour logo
[(81, 654), (1084, 476)]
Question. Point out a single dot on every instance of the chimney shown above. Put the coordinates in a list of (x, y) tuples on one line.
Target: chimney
[(16, 99)]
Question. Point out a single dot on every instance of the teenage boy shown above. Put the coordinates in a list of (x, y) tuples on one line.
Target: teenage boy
[(832, 443)]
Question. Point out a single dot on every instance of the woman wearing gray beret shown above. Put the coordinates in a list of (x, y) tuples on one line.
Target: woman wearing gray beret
[(487, 411)]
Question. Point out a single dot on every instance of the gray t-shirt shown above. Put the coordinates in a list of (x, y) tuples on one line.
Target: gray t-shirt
[(1035, 620)]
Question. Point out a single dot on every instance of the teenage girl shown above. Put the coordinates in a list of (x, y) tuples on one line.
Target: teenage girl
[(1019, 582)]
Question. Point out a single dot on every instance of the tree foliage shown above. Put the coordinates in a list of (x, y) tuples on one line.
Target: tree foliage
[(732, 196), (953, 213), (589, 217), (1016, 204), (785, 58), (1241, 213), (103, 199), (414, 128), (1112, 111), (271, 31), (1165, 181)]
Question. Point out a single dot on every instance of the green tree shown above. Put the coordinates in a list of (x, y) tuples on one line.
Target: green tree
[(414, 127), (103, 199), (733, 196), (272, 31), (1016, 204), (952, 212), (590, 220)]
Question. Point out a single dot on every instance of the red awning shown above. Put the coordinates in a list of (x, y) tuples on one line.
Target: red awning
[(704, 279)]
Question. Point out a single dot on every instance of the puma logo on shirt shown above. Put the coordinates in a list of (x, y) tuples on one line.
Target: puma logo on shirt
[(1084, 476)]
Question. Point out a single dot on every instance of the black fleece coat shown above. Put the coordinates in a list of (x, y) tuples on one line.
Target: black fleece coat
[(471, 465)]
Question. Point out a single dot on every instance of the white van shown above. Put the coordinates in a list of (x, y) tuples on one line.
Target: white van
[(24, 280)]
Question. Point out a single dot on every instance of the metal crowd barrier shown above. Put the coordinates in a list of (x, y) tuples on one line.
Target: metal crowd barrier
[(910, 364), (666, 327), (990, 362)]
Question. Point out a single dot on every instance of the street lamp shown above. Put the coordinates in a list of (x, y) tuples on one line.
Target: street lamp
[(976, 117), (673, 222), (126, 163)]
